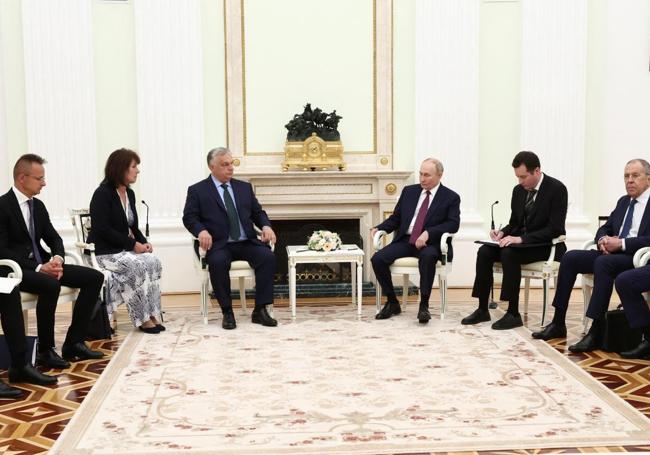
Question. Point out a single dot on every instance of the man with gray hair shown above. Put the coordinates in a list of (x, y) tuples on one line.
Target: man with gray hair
[(626, 230), (423, 213), (221, 212)]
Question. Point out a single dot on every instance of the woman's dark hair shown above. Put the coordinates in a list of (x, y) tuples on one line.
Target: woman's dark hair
[(117, 164)]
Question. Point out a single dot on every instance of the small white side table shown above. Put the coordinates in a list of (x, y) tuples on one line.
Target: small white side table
[(300, 254)]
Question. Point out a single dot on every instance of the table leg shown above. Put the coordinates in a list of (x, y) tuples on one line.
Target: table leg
[(292, 289), (353, 285), (359, 287)]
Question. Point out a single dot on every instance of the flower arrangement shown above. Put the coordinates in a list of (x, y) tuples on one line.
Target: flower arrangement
[(324, 241)]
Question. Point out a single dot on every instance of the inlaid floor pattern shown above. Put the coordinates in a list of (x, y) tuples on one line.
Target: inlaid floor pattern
[(32, 424)]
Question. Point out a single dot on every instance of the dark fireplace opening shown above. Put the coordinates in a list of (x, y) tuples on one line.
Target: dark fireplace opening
[(297, 232)]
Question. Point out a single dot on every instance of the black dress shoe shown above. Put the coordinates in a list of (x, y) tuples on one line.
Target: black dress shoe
[(590, 342), (30, 375), (161, 327), (6, 391), (228, 322), (551, 331), (51, 359), (153, 330), (261, 316), (388, 310), (423, 314), (508, 321), (642, 351), (79, 351), (477, 316)]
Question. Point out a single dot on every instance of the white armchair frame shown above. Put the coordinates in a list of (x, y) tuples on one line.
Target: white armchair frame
[(28, 301), (541, 270), (408, 266), (239, 270), (80, 219), (641, 259)]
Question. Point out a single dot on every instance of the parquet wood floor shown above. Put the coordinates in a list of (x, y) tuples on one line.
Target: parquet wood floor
[(32, 424)]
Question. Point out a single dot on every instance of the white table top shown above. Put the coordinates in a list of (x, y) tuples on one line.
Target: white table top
[(302, 250)]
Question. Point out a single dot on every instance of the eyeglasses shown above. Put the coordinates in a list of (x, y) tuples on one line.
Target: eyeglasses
[(40, 179)]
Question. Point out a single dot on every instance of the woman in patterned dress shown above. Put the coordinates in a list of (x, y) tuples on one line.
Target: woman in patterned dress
[(120, 246)]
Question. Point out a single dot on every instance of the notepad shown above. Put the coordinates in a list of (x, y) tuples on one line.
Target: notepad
[(8, 284)]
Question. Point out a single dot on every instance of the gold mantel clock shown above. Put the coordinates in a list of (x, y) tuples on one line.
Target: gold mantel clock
[(313, 154)]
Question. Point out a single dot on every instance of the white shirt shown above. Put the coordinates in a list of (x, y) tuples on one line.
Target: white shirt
[(639, 209), (433, 192)]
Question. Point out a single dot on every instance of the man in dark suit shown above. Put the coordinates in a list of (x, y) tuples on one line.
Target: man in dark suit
[(538, 212), (14, 333), (631, 286), (626, 230), (24, 222), (221, 212), (422, 214)]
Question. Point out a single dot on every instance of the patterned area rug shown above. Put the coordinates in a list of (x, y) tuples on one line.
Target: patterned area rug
[(330, 383)]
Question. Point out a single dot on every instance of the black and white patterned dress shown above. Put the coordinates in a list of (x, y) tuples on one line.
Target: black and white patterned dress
[(134, 281)]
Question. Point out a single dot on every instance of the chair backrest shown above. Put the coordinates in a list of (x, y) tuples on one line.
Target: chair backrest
[(81, 223)]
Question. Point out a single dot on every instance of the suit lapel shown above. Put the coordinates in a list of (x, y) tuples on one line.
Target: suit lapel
[(214, 192), (436, 200), (235, 189), (18, 214), (644, 221), (118, 201)]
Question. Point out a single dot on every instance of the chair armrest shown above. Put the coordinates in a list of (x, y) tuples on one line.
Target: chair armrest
[(258, 231), (376, 240), (444, 246), (554, 242), (85, 246), (589, 245), (16, 271), (641, 257), (73, 258)]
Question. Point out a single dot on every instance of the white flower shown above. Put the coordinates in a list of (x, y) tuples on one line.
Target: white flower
[(324, 241)]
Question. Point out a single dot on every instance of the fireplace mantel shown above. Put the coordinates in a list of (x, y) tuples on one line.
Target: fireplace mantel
[(368, 196)]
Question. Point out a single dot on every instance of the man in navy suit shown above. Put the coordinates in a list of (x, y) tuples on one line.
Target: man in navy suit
[(626, 230), (24, 223), (221, 211), (631, 286), (537, 214), (422, 214)]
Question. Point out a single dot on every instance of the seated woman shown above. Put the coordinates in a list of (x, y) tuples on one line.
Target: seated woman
[(120, 246)]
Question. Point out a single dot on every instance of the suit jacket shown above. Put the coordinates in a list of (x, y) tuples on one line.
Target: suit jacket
[(15, 242), (547, 216), (443, 215), (204, 209), (110, 229), (613, 226)]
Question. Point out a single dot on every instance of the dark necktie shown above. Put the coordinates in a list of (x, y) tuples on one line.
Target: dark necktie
[(233, 219), (419, 220), (32, 232), (530, 201), (627, 223)]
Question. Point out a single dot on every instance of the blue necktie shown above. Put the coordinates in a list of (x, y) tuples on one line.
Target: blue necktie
[(32, 231), (627, 224)]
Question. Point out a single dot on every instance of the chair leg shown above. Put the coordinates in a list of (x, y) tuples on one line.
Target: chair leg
[(442, 284), (242, 294), (544, 300), (526, 294), (405, 290), (586, 297), (204, 299), (377, 296)]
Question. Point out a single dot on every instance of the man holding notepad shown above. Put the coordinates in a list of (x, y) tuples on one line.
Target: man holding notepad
[(538, 213)]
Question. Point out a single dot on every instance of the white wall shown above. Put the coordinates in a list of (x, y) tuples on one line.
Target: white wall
[(463, 91)]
